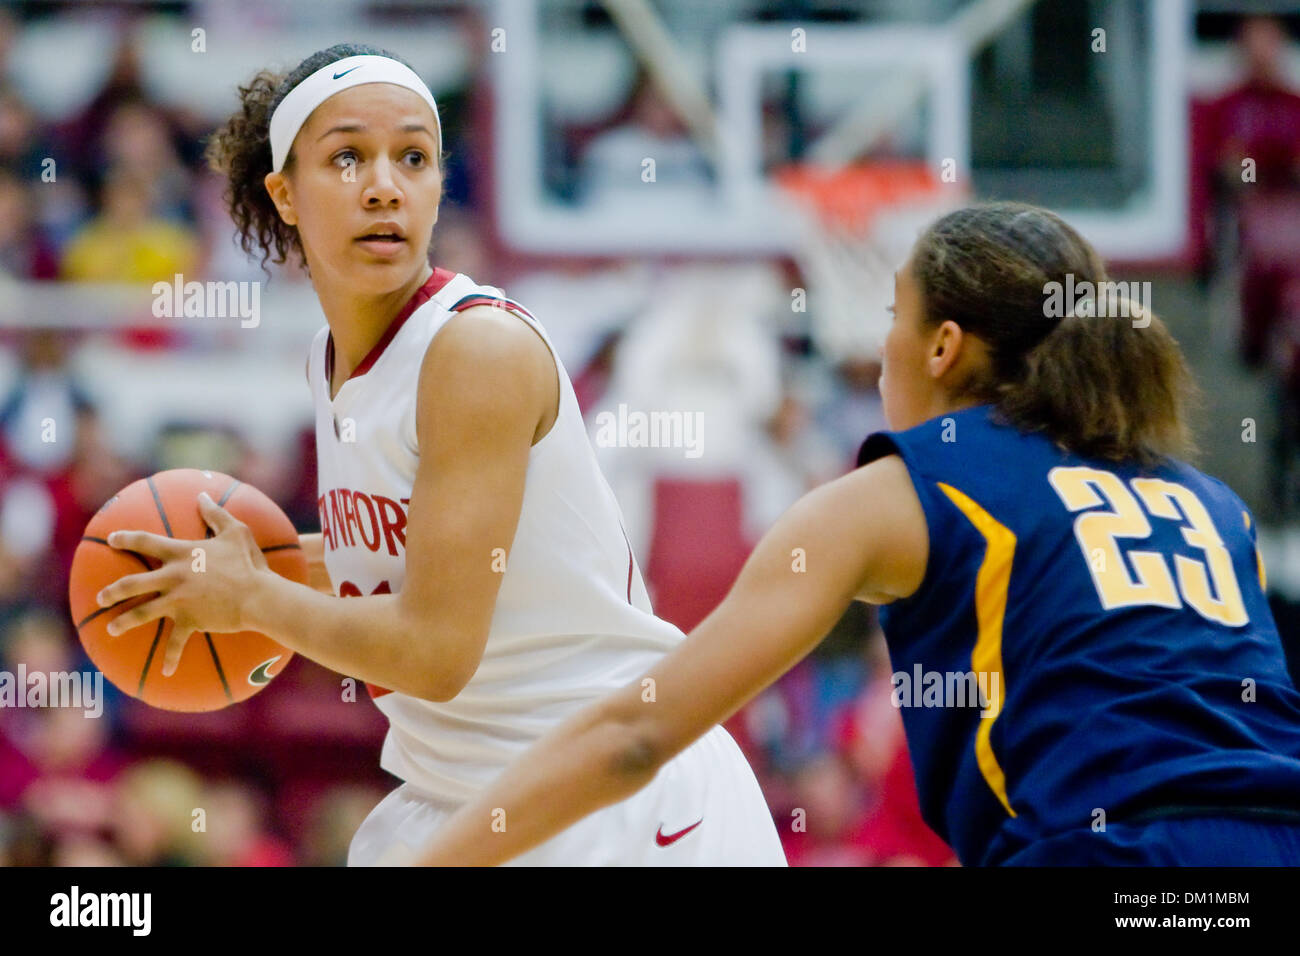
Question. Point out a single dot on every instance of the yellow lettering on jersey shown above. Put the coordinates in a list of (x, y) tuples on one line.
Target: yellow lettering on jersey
[(1097, 530), (991, 584), (1209, 587), (1165, 499)]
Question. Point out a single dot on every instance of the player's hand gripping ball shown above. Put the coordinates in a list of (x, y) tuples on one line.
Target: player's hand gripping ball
[(173, 570)]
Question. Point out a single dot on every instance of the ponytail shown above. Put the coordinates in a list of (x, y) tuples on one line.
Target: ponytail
[(1105, 387), (1110, 386)]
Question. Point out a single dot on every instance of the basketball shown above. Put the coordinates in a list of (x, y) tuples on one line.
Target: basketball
[(215, 670)]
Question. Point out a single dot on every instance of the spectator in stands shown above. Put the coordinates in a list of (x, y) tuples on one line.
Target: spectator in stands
[(25, 251), (137, 137), (82, 137), (153, 816), (1259, 122), (26, 527), (234, 836), (63, 206), (58, 764), (73, 768), (24, 143), (38, 413), (125, 243), (1260, 118)]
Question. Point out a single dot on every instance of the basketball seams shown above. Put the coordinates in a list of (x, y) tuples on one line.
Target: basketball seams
[(225, 686), (163, 623), (153, 648), (135, 554), (162, 512), (149, 567), (103, 610), (229, 492)]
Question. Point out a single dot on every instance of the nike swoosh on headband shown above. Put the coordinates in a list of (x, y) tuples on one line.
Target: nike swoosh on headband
[(298, 104)]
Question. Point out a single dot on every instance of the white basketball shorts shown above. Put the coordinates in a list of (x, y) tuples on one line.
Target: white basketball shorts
[(703, 808)]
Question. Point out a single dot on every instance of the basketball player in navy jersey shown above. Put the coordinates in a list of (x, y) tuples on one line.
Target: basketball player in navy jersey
[(479, 580), (1031, 529)]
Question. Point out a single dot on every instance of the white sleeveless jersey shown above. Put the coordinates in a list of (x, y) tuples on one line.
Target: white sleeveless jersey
[(572, 620)]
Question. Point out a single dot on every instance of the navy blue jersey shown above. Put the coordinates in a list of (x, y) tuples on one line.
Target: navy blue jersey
[(1090, 643)]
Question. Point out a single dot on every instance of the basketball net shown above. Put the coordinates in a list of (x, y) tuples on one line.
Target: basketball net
[(855, 227)]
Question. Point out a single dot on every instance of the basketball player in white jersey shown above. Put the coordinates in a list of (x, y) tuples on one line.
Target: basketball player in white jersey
[(490, 588)]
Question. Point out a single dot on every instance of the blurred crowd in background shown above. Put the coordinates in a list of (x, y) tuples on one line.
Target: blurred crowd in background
[(288, 776)]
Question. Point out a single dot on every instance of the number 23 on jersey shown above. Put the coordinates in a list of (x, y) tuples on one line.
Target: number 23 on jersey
[(1151, 582)]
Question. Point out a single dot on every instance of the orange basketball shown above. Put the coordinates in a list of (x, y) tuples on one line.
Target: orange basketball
[(215, 670)]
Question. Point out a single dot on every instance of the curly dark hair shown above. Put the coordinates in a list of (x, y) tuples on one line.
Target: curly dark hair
[(241, 149)]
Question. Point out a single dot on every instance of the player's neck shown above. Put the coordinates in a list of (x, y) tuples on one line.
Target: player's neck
[(358, 322), (947, 405)]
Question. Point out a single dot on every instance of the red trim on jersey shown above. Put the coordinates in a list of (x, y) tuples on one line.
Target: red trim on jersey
[(422, 295), (478, 299)]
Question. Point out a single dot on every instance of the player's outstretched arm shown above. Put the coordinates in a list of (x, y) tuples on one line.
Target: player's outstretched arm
[(862, 536)]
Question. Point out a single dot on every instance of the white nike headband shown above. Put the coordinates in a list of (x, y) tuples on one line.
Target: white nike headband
[(338, 76)]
